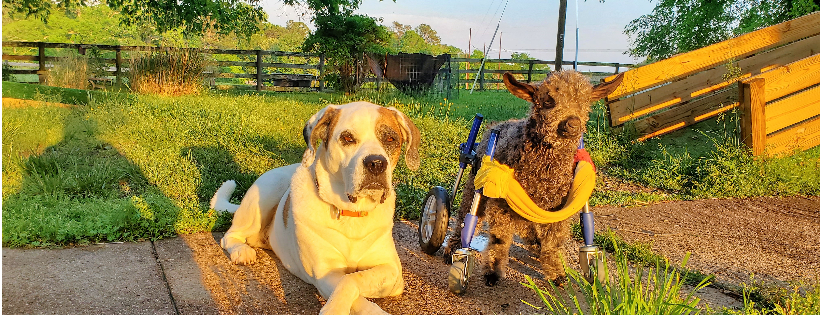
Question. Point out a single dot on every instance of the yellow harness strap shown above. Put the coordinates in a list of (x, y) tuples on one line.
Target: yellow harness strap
[(498, 181)]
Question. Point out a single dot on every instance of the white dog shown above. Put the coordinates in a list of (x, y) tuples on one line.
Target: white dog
[(330, 218)]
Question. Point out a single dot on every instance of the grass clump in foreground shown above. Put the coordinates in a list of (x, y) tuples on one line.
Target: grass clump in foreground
[(796, 303), (656, 290)]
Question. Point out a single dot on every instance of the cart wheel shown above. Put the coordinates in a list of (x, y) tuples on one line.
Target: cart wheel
[(464, 260), (457, 279), (433, 221), (592, 264)]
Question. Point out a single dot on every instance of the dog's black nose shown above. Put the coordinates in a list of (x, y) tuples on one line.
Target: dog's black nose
[(375, 164)]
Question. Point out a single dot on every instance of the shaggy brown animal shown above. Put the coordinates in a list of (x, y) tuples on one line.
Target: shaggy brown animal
[(540, 148)]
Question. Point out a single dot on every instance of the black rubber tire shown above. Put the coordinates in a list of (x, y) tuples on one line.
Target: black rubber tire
[(439, 201)]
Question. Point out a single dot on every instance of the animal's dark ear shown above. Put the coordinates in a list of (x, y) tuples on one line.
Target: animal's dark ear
[(319, 126), (602, 90), (521, 90), (412, 139)]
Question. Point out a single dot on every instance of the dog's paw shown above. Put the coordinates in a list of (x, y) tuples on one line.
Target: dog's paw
[(491, 279), (242, 254), (331, 308), (364, 307)]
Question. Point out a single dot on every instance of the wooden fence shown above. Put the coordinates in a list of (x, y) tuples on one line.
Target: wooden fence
[(466, 70), (772, 75), (256, 67)]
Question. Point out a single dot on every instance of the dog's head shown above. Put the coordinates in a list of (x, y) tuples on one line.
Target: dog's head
[(560, 105), (359, 146)]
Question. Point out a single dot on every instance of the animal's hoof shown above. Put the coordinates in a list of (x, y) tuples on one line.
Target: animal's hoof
[(243, 255), (559, 281), (491, 279)]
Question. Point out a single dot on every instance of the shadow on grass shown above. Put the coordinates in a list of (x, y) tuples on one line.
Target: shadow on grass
[(82, 190)]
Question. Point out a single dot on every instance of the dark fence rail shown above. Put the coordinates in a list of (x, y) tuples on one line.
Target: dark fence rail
[(467, 69), (260, 73)]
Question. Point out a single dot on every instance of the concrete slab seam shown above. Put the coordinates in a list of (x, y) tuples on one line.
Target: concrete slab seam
[(164, 278)]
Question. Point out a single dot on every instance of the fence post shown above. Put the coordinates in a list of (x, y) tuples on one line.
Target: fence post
[(321, 72), (481, 79), (752, 105), (41, 72), (258, 69), (617, 67), (118, 65), (529, 72)]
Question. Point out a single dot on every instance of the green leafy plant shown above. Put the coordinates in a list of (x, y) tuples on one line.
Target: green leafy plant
[(655, 290)]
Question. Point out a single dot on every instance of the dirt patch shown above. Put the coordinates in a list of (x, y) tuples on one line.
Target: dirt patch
[(774, 239), (18, 103)]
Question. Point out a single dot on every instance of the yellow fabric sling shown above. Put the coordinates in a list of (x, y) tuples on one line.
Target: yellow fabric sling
[(498, 181)]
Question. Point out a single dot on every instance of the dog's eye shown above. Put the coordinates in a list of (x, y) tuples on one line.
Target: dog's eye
[(348, 139)]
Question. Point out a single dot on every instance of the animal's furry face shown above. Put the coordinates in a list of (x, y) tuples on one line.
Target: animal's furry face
[(560, 108), (361, 145), (560, 105)]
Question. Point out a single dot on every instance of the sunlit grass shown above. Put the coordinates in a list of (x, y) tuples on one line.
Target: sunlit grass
[(113, 147)]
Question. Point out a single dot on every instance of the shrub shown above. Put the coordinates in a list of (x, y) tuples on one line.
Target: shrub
[(169, 72), (6, 74), (70, 71)]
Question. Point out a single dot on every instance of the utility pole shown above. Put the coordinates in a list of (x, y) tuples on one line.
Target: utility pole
[(562, 25)]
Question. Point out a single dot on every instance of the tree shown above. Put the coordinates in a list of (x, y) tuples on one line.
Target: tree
[(193, 17), (343, 37), (411, 42), (429, 35), (399, 28), (677, 26)]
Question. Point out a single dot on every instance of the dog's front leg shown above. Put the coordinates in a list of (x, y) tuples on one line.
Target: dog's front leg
[(347, 292)]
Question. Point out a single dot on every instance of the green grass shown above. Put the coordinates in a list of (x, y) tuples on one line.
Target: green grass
[(174, 152), (655, 290)]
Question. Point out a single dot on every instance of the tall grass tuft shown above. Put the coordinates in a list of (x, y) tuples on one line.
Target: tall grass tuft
[(645, 291), (70, 71), (170, 73)]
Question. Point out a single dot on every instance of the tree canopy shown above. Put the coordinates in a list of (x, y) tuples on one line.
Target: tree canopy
[(677, 26), (98, 24), (193, 17)]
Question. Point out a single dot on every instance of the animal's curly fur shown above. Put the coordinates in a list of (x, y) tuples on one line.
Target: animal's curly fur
[(540, 148)]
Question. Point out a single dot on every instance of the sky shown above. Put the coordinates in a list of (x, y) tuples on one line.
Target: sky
[(527, 25)]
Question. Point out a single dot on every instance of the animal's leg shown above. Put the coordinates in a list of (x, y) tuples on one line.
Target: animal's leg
[(498, 249), (344, 291), (255, 212), (553, 236)]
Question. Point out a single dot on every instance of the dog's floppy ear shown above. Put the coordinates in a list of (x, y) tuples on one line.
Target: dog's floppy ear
[(318, 127), (521, 90), (412, 138), (602, 90)]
